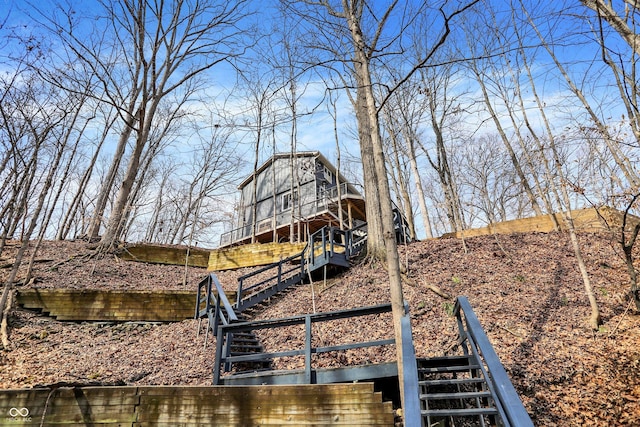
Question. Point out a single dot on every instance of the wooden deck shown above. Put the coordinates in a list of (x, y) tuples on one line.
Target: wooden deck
[(237, 406)]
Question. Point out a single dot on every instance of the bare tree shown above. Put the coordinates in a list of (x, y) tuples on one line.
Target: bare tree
[(71, 215), (558, 177), (214, 168), (157, 48), (362, 26), (622, 21), (481, 74), (442, 108)]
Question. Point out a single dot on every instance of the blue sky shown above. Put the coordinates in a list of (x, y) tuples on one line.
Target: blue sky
[(315, 131)]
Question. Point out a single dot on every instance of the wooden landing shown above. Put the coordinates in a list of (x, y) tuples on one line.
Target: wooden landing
[(251, 255), (111, 306), (237, 406), (165, 255)]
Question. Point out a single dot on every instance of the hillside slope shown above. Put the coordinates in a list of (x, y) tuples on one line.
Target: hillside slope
[(525, 288)]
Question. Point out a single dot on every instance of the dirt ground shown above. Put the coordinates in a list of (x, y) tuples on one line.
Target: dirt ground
[(525, 289)]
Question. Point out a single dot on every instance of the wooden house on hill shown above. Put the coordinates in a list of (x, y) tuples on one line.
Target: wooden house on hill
[(291, 195)]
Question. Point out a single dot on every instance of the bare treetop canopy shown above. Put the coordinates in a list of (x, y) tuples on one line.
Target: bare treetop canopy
[(291, 195)]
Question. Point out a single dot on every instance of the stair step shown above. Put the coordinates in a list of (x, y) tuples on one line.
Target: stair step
[(243, 335), (459, 412), (248, 348), (253, 355), (451, 381), (455, 395), (445, 361), (438, 369), (247, 339)]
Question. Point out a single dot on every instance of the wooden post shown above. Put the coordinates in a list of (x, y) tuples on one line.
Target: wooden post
[(350, 214)]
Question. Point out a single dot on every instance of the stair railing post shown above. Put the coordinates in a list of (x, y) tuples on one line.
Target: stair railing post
[(217, 363), (209, 289), (216, 315), (324, 245), (307, 349), (227, 351), (332, 241), (411, 410), (279, 273), (312, 249), (239, 295)]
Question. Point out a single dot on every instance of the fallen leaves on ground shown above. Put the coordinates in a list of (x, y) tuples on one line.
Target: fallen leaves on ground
[(525, 289)]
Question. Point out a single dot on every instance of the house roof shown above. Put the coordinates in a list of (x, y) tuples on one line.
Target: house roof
[(286, 155)]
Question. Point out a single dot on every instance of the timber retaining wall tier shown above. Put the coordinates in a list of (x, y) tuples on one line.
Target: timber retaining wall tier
[(331, 404), (113, 306), (585, 220), (251, 255), (165, 255)]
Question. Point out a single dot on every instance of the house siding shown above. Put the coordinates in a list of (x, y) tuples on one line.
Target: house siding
[(317, 183), (273, 182)]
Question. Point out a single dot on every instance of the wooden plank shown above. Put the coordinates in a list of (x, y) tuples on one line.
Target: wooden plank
[(178, 411), (165, 255), (251, 255), (585, 220), (101, 395), (260, 418), (240, 423), (96, 305), (274, 390), (71, 405), (334, 404), (171, 404)]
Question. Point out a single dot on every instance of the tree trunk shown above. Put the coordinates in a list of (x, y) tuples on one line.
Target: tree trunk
[(375, 241), (370, 112), (107, 184), (418, 182), (111, 234)]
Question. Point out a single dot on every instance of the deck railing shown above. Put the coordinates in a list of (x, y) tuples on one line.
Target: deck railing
[(214, 305), (319, 204)]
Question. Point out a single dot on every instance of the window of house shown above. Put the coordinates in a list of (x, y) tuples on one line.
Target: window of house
[(286, 201), (328, 175)]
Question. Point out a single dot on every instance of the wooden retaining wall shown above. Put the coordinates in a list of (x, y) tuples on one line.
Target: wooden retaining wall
[(251, 255), (117, 306), (585, 220), (235, 406), (165, 255)]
